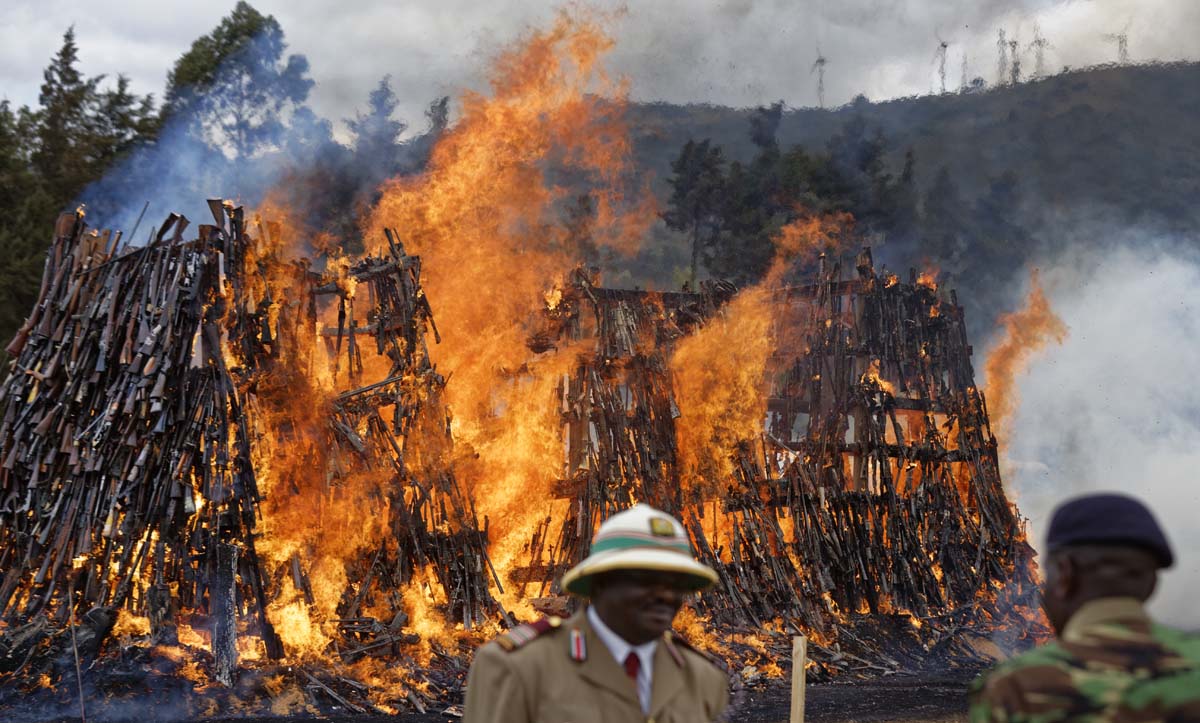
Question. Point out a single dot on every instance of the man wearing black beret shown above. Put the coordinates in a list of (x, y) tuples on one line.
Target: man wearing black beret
[(1111, 663)]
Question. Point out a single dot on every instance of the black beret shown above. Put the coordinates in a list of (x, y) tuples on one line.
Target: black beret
[(1108, 519)]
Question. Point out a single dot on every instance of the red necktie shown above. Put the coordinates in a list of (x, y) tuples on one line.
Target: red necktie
[(632, 666)]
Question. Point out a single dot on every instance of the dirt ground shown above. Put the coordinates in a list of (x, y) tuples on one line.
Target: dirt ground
[(894, 699)]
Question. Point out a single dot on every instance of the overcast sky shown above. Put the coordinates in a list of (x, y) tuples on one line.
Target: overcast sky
[(732, 52)]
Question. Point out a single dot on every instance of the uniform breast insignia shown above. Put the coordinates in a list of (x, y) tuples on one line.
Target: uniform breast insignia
[(526, 632), (578, 646)]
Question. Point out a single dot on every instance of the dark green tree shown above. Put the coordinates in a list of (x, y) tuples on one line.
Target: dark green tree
[(80, 130), (862, 178), (697, 189), (418, 150), (48, 156), (235, 87), (376, 133), (946, 222), (851, 176), (764, 125), (120, 122), (61, 156), (755, 204), (994, 217), (15, 176), (24, 229), (743, 249)]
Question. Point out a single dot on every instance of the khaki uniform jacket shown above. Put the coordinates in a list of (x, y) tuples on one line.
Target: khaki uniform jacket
[(541, 681)]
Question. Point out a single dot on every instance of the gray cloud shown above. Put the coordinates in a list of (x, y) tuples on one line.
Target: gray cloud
[(732, 52)]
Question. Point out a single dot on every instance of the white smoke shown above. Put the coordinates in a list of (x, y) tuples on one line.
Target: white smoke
[(1117, 406)]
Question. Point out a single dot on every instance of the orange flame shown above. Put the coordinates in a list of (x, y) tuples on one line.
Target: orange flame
[(928, 278), (718, 379), (718, 372), (1026, 332), (872, 375), (484, 219)]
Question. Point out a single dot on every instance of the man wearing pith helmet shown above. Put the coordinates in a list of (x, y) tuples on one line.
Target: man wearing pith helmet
[(616, 660)]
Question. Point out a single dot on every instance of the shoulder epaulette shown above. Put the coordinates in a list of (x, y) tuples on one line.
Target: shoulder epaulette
[(670, 642), (525, 632)]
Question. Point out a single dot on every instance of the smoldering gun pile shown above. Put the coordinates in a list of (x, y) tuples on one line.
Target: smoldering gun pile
[(162, 438)]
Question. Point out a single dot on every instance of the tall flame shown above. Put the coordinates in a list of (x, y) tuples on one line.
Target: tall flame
[(1026, 332), (718, 372), (484, 218), (718, 381)]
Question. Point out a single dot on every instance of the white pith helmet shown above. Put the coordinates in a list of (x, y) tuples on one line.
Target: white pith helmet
[(639, 538)]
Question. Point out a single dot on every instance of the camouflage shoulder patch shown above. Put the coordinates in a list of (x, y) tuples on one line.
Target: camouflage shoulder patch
[(524, 633), (1185, 644)]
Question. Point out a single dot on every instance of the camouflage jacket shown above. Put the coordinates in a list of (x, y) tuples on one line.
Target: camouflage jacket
[(1112, 664)]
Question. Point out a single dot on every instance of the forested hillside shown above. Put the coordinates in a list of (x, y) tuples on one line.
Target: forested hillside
[(1124, 136), (979, 184)]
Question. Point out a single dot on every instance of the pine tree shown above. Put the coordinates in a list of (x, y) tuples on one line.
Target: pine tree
[(23, 232), (743, 249), (417, 151), (15, 177), (764, 126), (48, 156), (754, 205), (234, 86), (994, 216), (376, 133), (79, 130), (697, 187), (61, 157), (120, 121)]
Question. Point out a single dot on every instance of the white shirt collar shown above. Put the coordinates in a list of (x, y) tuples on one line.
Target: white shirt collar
[(620, 649)]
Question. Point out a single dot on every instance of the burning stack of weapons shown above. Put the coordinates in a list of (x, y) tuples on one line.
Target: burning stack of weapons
[(863, 499), (148, 387), (185, 443)]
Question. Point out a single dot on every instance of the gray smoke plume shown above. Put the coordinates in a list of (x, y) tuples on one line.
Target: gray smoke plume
[(1117, 406)]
